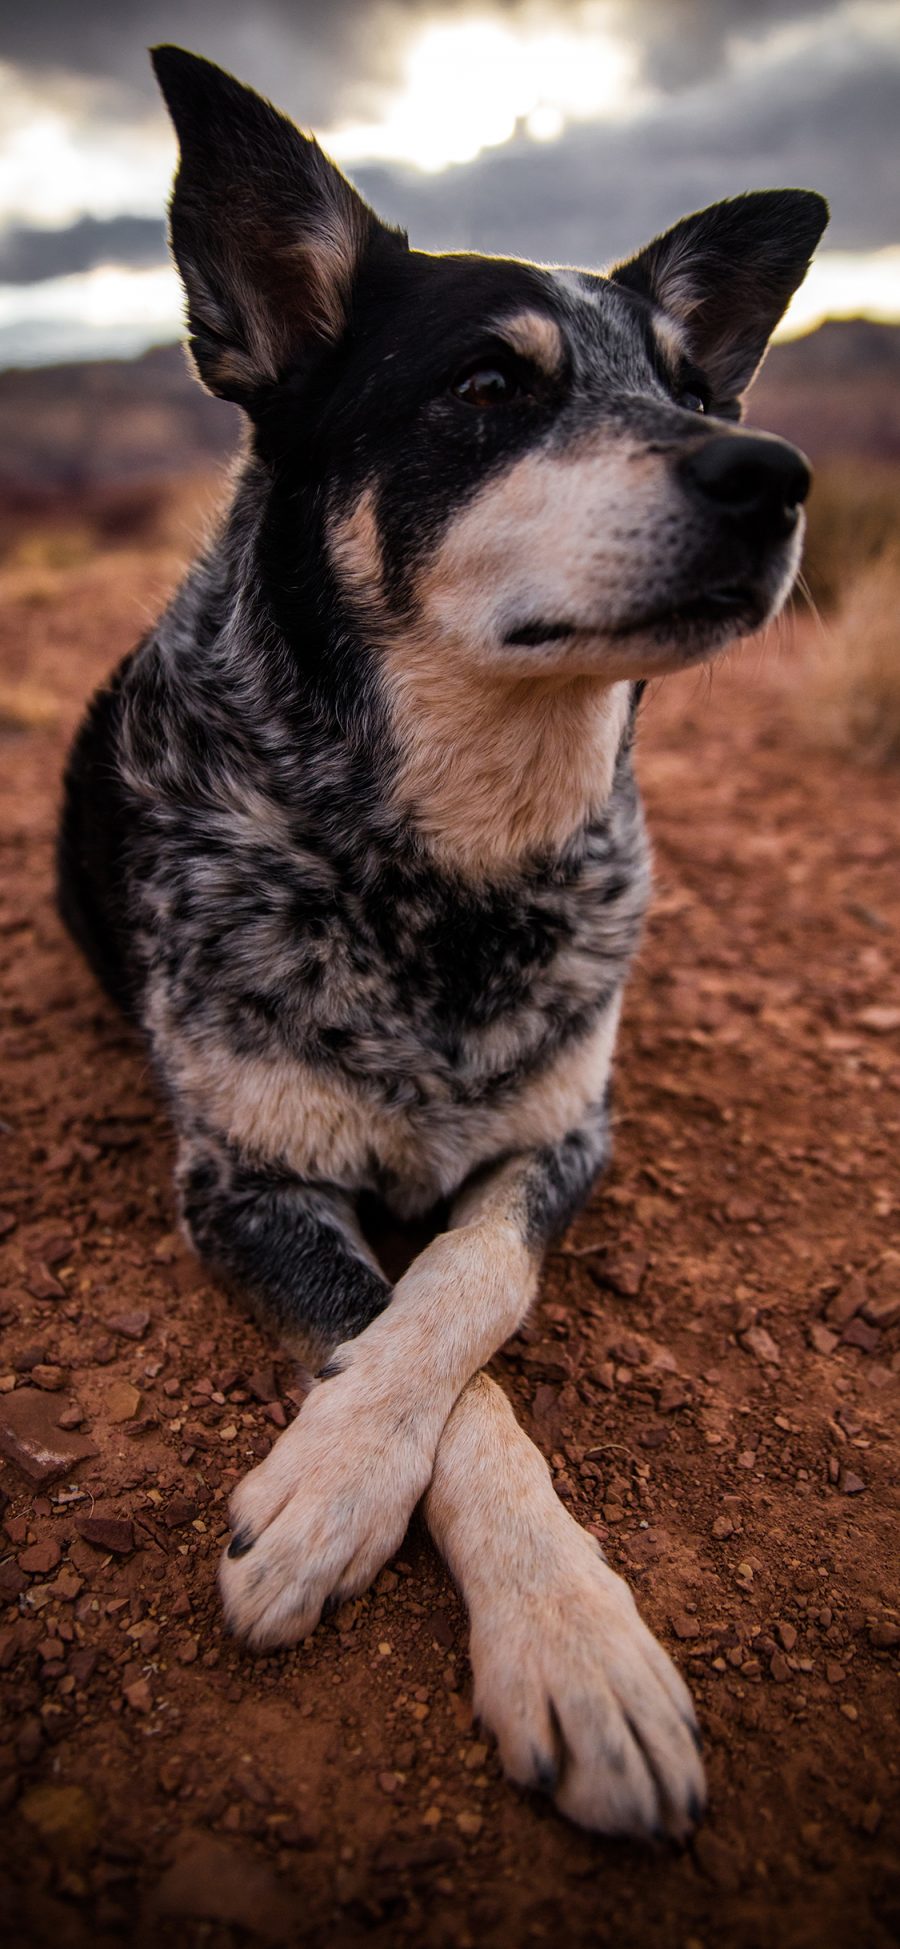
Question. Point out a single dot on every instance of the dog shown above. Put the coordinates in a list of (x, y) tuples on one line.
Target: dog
[(354, 837)]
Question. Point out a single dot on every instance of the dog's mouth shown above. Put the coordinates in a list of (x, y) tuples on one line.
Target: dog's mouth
[(733, 602)]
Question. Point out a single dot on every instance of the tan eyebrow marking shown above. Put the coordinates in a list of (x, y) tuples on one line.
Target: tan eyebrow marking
[(535, 336), (670, 337)]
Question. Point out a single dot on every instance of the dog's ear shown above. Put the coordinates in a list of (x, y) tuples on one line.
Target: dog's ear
[(266, 232), (726, 276)]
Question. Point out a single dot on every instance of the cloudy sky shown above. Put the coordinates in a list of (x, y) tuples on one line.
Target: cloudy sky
[(568, 132)]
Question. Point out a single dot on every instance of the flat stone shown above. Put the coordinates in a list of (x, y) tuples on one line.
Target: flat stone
[(40, 1558), (112, 1533), (31, 1437)]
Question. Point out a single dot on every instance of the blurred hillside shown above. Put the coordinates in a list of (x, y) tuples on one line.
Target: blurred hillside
[(80, 426)]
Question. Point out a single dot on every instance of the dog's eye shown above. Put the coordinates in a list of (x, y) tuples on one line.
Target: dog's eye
[(487, 386), (691, 401)]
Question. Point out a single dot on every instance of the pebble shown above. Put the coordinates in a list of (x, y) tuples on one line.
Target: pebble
[(821, 1338), (759, 1342), (139, 1696), (685, 1627), (882, 1309), (50, 1378), (30, 1435), (131, 1326), (858, 1333), (122, 1401), (847, 1302), (469, 1824), (41, 1283), (851, 1485), (178, 1511)]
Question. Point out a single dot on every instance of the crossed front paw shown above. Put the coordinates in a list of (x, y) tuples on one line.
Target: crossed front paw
[(584, 1702), (313, 1524)]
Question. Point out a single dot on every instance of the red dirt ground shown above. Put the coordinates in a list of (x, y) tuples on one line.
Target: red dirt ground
[(713, 1369)]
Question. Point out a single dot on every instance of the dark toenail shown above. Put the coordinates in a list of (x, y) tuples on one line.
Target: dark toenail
[(546, 1775), (241, 1542), (696, 1809), (330, 1605), (695, 1733)]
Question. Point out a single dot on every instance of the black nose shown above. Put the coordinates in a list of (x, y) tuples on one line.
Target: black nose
[(750, 477)]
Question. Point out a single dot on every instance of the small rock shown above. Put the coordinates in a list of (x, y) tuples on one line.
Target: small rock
[(834, 1672), (131, 1326), (112, 1533), (685, 1626), (139, 1695), (821, 1338), (759, 1342), (882, 1309), (880, 1020), (41, 1283), (884, 1635), (30, 1435), (469, 1824), (851, 1485), (722, 1528), (673, 1394), (186, 1652), (49, 1377), (178, 1511), (40, 1559), (779, 1668), (848, 1301), (786, 1635), (858, 1333), (122, 1401), (72, 1417)]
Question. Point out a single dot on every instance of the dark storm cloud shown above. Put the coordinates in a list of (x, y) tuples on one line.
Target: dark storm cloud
[(826, 117), (310, 56), (28, 255)]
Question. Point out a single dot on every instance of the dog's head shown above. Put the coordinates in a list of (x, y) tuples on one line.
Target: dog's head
[(532, 470)]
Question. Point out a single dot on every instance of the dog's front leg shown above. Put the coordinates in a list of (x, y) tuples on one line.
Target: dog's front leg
[(585, 1703)]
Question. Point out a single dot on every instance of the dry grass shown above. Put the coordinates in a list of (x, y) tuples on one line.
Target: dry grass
[(853, 518), (850, 693)]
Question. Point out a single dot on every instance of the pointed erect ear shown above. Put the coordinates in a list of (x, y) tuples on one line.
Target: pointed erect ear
[(726, 276), (266, 232)]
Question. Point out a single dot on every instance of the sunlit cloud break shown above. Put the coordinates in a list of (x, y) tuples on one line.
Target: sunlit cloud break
[(471, 84)]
